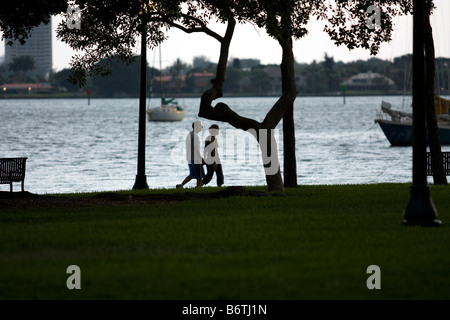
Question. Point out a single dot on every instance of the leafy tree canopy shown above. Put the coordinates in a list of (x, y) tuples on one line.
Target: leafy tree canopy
[(111, 28), (18, 18)]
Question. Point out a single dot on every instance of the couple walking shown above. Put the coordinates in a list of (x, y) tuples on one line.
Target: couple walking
[(210, 156)]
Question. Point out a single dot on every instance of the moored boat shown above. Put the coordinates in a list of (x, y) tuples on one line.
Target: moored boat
[(397, 125), (169, 110)]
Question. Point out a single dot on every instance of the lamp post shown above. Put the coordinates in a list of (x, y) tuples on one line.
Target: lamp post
[(141, 178), (420, 210)]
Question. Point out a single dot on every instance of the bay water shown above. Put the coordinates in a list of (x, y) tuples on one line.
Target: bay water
[(73, 146)]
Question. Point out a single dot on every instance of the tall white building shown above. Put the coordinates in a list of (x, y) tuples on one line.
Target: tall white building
[(38, 46)]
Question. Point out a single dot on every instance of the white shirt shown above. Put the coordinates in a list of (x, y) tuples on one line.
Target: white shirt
[(212, 146), (193, 148)]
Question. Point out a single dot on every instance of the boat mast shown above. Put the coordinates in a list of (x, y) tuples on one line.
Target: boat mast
[(152, 78), (160, 77)]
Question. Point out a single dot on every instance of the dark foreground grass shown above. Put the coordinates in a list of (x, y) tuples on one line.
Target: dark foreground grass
[(315, 243)]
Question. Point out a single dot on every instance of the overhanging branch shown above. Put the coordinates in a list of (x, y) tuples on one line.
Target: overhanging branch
[(201, 28)]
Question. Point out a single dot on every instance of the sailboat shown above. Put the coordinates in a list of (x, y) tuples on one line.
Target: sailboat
[(169, 109), (397, 125)]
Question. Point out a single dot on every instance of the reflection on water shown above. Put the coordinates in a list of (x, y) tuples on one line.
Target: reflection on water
[(75, 147)]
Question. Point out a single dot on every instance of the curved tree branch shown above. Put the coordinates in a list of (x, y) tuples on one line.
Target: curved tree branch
[(289, 92), (221, 112), (202, 26)]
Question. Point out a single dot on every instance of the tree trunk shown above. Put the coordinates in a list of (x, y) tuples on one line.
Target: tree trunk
[(289, 85), (222, 112), (269, 152), (275, 182), (432, 127), (290, 160)]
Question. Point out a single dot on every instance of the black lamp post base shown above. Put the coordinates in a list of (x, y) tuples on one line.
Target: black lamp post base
[(420, 210), (141, 182), (433, 223)]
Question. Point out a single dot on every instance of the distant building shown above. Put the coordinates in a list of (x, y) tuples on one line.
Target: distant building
[(170, 84), (246, 64), (193, 83), (369, 81), (38, 46), (272, 85), (200, 81), (26, 88)]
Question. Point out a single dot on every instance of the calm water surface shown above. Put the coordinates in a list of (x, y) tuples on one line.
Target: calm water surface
[(75, 147)]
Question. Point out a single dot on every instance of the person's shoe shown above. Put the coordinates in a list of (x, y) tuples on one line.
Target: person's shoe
[(179, 186)]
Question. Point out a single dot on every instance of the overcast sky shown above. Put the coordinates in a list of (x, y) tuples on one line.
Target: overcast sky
[(249, 42)]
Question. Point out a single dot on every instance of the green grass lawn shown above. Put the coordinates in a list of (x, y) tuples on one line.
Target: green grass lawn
[(314, 243)]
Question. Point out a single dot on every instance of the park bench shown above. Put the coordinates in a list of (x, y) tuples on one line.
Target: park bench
[(12, 170), (445, 159)]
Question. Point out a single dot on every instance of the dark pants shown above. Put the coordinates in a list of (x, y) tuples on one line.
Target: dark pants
[(210, 172)]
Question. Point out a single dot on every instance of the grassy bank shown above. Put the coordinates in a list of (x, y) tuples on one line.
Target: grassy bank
[(314, 243)]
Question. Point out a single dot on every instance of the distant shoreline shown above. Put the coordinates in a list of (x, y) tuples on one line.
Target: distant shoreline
[(83, 95)]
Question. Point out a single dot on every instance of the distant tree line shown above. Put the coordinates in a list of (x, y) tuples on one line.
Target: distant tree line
[(328, 76), (244, 77)]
